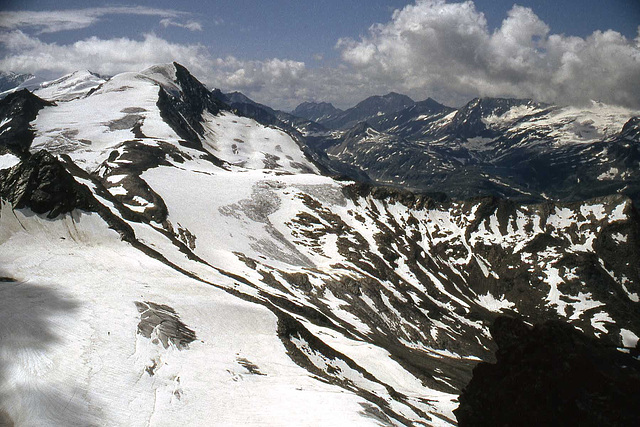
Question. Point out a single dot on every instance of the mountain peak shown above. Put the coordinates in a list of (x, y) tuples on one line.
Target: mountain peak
[(431, 104), (369, 108), (316, 111), (236, 96), (390, 102), (70, 86), (471, 120), (396, 95), (165, 75)]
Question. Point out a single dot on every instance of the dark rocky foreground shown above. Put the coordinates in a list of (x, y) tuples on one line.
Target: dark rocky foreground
[(552, 375)]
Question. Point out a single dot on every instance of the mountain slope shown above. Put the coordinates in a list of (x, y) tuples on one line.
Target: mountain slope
[(200, 261), (370, 108), (268, 116), (316, 111), (9, 81), (69, 87)]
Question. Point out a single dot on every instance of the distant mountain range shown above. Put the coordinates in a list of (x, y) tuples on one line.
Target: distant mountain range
[(9, 80), (372, 107), (512, 148)]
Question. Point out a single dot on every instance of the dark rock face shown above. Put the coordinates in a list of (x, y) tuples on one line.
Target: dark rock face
[(42, 184), (367, 109), (551, 375), (183, 112), (316, 111), (161, 323), (171, 115), (16, 111), (196, 96)]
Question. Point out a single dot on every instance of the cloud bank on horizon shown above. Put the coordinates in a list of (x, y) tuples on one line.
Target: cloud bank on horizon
[(429, 48)]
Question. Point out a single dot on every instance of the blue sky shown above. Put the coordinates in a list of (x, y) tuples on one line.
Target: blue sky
[(282, 52)]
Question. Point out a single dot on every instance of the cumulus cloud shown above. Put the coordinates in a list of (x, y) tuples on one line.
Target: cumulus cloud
[(446, 49), (273, 81), (110, 56), (74, 19)]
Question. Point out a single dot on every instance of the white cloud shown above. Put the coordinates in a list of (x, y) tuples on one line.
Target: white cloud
[(29, 54), (273, 81), (189, 25), (74, 19), (446, 49)]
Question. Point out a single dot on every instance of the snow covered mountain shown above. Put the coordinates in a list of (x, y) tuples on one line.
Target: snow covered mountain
[(511, 148), (69, 87), (65, 88), (168, 260), (9, 80)]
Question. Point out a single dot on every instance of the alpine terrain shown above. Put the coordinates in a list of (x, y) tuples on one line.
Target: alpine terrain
[(512, 148), (171, 255)]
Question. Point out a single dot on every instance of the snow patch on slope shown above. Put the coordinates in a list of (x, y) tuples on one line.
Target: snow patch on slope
[(72, 86)]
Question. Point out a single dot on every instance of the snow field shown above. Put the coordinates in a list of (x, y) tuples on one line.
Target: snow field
[(70, 342)]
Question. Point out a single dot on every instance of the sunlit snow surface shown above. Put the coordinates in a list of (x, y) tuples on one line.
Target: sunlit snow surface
[(258, 235), (72, 86), (89, 128), (8, 160), (71, 356), (566, 124)]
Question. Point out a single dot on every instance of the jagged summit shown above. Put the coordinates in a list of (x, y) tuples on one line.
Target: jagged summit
[(430, 105), (238, 97), (515, 148), (390, 102), (162, 103), (165, 75)]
